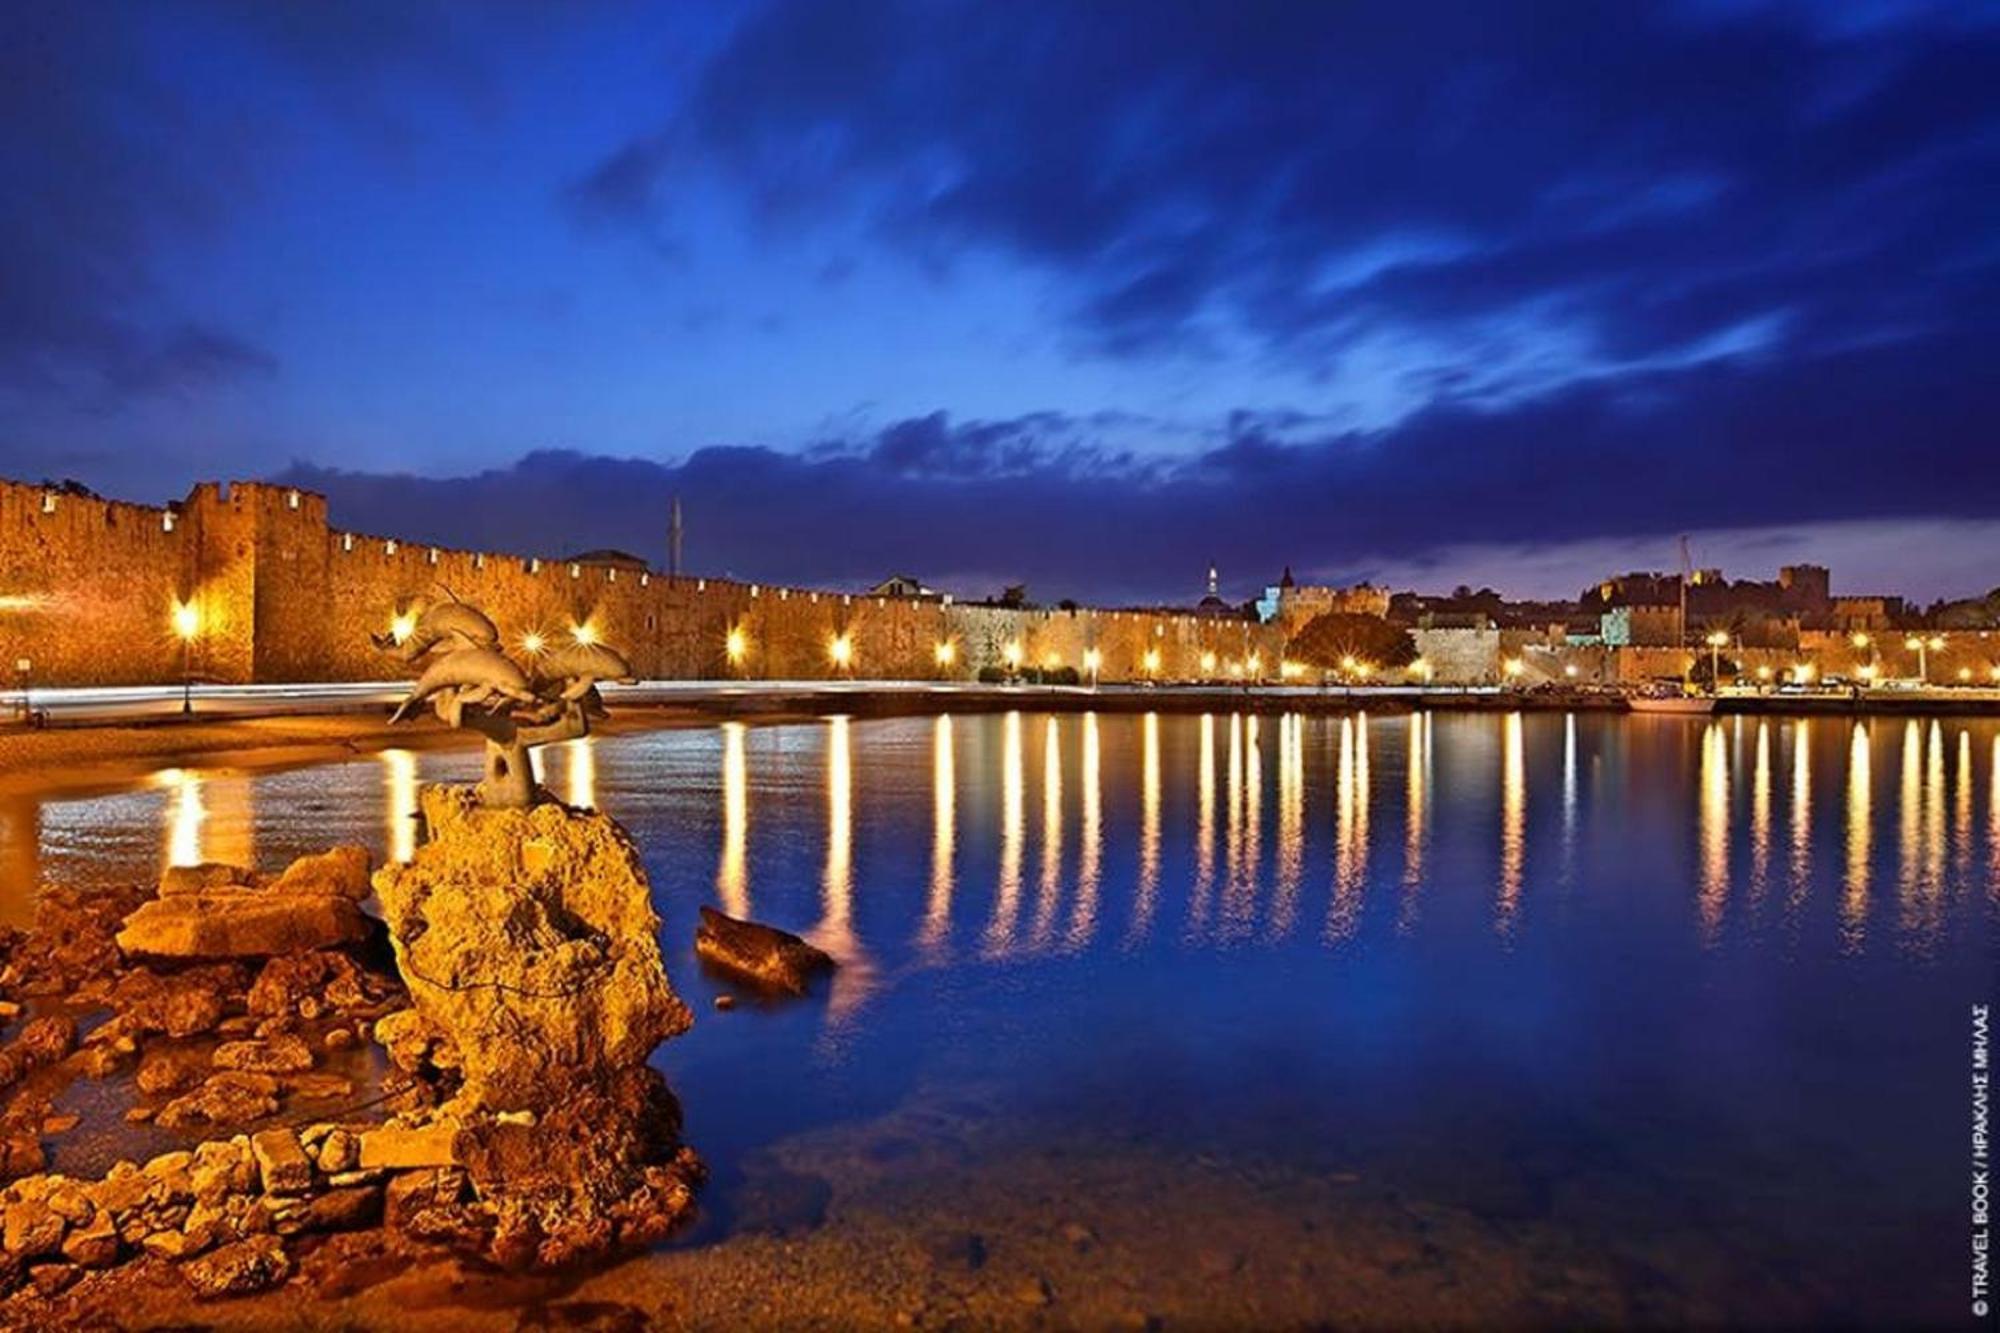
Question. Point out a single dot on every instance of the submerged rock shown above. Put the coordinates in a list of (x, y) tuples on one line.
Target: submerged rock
[(285, 1053), (230, 1098), (763, 956)]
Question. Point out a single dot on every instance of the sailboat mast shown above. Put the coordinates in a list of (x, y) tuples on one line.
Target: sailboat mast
[(1681, 620)]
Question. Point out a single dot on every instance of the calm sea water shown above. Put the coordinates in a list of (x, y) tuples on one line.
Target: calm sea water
[(1697, 990)]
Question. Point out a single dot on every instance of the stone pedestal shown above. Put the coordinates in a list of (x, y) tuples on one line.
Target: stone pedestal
[(528, 941)]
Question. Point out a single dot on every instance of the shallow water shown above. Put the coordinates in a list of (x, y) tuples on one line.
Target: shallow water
[(1691, 997)]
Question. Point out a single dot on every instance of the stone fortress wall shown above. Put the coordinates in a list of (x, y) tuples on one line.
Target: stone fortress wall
[(89, 589)]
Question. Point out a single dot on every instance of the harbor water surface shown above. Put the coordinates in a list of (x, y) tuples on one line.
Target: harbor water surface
[(1670, 1014)]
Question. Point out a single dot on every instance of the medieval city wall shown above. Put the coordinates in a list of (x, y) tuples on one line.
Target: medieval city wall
[(88, 591), (89, 587)]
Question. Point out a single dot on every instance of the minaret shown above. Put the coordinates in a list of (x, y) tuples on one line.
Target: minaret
[(674, 541), (1212, 582)]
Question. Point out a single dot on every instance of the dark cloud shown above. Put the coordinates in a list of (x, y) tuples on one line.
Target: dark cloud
[(1865, 433), (1644, 179)]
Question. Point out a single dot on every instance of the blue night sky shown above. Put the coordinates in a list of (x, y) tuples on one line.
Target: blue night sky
[(1086, 295)]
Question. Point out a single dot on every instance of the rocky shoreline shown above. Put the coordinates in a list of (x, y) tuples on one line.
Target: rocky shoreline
[(510, 1001)]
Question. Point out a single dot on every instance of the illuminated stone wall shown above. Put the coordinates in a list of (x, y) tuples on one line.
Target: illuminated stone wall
[(87, 588), (90, 586)]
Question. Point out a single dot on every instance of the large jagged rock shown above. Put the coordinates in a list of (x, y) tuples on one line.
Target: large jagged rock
[(528, 938), (216, 911), (528, 942)]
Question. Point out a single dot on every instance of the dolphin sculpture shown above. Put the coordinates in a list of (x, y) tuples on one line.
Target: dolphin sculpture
[(453, 624), (581, 666), (474, 675)]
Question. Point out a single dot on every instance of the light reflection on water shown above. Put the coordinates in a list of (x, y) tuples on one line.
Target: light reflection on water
[(1252, 834), (1415, 943)]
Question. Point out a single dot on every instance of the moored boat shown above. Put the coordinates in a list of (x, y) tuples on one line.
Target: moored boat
[(1686, 705)]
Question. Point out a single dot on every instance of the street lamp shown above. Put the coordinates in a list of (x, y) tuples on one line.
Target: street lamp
[(1012, 653), (1513, 667), (946, 654), (1715, 642), (1421, 669), (187, 624), (1092, 660), (1923, 648), (737, 646), (1152, 662), (841, 651)]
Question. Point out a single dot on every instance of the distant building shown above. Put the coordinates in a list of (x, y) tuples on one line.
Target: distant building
[(1854, 614), (1293, 605), (1212, 604), (1800, 592), (901, 585), (1640, 626), (606, 558)]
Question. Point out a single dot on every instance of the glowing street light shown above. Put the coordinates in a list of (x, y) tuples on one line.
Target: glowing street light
[(585, 633), (1254, 663), (1569, 669), (1208, 664), (1291, 670), (1420, 668), (1715, 642), (736, 645), (1513, 666), (1923, 648), (1151, 661), (946, 653), (1866, 671), (403, 626), (187, 625), (840, 650), (1092, 660), (1012, 654), (533, 643)]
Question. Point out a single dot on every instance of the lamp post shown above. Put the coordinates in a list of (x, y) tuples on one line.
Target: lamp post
[(1715, 642), (1867, 670), (1092, 661), (187, 624), (1923, 648)]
